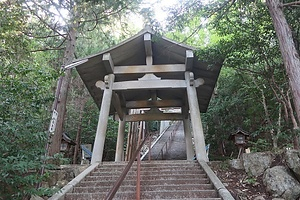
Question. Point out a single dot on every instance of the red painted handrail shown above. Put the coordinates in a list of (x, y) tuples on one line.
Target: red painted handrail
[(117, 184)]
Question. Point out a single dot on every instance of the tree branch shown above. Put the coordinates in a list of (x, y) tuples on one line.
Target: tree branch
[(249, 70), (97, 19), (47, 49), (43, 21), (41, 37), (295, 3)]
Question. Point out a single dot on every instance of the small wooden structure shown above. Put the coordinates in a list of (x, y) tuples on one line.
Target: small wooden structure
[(150, 72), (66, 143), (240, 139)]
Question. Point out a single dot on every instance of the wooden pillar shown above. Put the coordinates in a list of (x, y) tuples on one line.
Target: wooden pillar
[(103, 120), (188, 140), (120, 141), (195, 117)]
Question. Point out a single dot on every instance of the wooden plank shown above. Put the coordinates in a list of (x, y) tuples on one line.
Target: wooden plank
[(189, 57), (149, 84), (108, 63), (153, 104), (75, 64), (149, 60), (153, 116), (117, 105), (140, 69), (148, 45)]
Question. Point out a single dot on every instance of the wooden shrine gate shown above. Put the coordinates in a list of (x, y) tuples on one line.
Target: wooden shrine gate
[(149, 72)]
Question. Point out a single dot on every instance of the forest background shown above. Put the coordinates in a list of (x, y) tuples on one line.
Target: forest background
[(38, 38)]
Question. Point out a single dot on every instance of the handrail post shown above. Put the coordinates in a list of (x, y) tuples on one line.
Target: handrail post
[(138, 178), (117, 184), (138, 163), (149, 152)]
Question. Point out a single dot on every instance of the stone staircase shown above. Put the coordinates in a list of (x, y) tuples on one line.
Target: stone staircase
[(178, 179)]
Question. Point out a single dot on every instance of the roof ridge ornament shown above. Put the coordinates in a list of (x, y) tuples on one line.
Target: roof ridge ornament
[(148, 77)]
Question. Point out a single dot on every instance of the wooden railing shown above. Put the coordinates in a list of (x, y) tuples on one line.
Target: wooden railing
[(118, 183)]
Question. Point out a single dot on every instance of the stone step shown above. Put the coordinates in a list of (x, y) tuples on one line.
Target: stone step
[(92, 189), (149, 177), (104, 183), (173, 177), (179, 194), (159, 180), (157, 170), (177, 187), (146, 195), (172, 182), (145, 172), (143, 168), (170, 168), (144, 188), (162, 162), (150, 164), (157, 165)]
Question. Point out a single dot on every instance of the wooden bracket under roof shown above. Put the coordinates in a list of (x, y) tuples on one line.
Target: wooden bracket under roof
[(148, 48), (189, 57), (108, 63)]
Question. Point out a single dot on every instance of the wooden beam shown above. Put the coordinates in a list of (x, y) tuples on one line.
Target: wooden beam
[(148, 48), (108, 63), (149, 84), (185, 111), (75, 64), (153, 116), (117, 105), (153, 104), (148, 45), (142, 69), (189, 57)]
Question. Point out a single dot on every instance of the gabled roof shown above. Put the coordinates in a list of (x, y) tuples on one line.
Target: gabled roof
[(132, 52)]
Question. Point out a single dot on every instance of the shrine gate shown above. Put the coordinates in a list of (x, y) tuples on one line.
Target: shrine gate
[(149, 71)]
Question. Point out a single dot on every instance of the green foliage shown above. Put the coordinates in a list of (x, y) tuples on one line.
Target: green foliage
[(153, 125), (260, 145), (23, 110), (13, 43), (24, 103), (110, 140), (251, 181), (252, 84), (27, 30)]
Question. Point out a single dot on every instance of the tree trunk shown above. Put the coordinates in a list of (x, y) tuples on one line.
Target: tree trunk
[(287, 47), (76, 149), (295, 124), (62, 91), (269, 122), (275, 137)]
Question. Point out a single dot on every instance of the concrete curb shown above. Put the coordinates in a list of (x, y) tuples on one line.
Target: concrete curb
[(60, 195), (223, 192)]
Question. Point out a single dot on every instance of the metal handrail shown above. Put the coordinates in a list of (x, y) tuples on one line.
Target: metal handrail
[(117, 184), (138, 178), (166, 143)]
